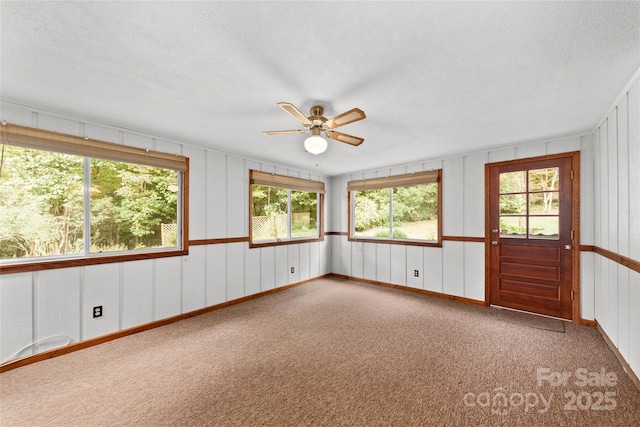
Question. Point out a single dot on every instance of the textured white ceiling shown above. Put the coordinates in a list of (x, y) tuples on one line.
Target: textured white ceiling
[(435, 78)]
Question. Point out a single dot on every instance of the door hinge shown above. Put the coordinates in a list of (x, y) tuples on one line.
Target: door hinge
[(572, 174), (571, 234), (572, 295)]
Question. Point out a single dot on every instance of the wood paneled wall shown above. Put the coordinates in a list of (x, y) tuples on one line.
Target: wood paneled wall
[(617, 224), (58, 303), (457, 268)]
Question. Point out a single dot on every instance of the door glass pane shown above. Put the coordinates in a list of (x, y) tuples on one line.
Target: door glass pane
[(543, 227), (544, 179), (513, 204), (543, 203), (371, 213), (513, 182), (513, 226)]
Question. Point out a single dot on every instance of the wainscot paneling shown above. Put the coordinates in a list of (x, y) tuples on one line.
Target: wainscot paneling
[(194, 284), (216, 274), (168, 287), (267, 268), (398, 264), (370, 255), (235, 270), (16, 314), (137, 293), (634, 321), (252, 272), (433, 269), (57, 306), (345, 255), (100, 288), (474, 270), (281, 266), (383, 263), (453, 268), (587, 299), (415, 261), (304, 261), (293, 264), (315, 249)]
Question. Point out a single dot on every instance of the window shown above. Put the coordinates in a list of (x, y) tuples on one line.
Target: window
[(530, 204), (65, 197), (398, 209), (284, 209)]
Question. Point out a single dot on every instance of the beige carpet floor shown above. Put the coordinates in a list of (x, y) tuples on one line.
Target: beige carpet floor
[(528, 319), (331, 353)]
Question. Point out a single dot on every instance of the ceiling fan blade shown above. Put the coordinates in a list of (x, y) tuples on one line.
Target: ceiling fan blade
[(283, 132), (297, 114), (343, 137), (350, 116)]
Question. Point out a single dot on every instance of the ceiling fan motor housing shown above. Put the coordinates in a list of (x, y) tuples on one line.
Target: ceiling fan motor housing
[(316, 116)]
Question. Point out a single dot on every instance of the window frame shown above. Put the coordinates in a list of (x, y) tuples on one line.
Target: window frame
[(38, 139), (404, 180), (288, 183)]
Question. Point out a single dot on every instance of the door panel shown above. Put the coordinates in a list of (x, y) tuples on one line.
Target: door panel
[(530, 235)]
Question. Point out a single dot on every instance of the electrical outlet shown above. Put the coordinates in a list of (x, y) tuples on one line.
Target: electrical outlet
[(97, 311), (416, 273), (293, 269)]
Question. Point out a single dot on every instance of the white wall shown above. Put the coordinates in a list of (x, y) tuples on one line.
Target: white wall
[(458, 267), (617, 223), (58, 303)]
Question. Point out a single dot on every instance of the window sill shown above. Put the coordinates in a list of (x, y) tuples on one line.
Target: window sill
[(35, 265), (284, 242), (406, 242)]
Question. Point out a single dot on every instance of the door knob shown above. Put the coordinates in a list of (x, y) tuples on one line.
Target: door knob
[(567, 247), (495, 231), (494, 243)]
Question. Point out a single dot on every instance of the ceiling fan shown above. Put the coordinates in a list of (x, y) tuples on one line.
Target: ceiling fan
[(317, 124)]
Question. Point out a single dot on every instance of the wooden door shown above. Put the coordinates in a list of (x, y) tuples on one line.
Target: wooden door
[(531, 238)]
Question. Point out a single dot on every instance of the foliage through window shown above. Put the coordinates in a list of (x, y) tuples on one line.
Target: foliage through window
[(530, 203), (54, 204), (284, 208), (403, 208)]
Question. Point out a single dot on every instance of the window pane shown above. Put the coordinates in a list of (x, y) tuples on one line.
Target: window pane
[(513, 182), (544, 179), (543, 227), (543, 203), (371, 213), (132, 206), (513, 204), (415, 212), (41, 203), (270, 219), (513, 226), (304, 214)]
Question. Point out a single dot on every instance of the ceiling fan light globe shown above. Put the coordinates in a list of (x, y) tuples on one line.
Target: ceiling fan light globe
[(315, 144)]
